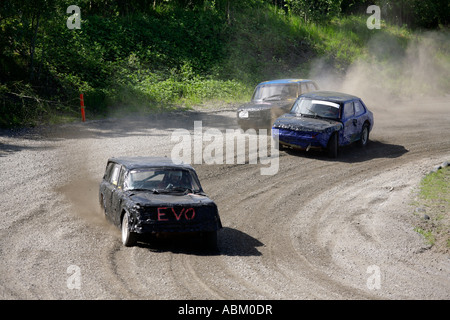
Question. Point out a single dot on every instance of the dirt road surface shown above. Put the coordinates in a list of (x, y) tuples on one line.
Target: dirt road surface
[(318, 229)]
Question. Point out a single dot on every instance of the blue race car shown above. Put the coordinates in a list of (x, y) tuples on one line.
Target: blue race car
[(326, 120)]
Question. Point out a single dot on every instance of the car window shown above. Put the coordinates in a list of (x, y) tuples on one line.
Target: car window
[(304, 89), (108, 171), (114, 174), (311, 87), (274, 92), (359, 109), (150, 179), (348, 110), (121, 177), (316, 108)]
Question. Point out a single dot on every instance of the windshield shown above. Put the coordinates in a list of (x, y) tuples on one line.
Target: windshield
[(159, 180), (316, 108), (269, 92)]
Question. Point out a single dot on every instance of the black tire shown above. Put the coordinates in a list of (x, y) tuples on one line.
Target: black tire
[(128, 237), (282, 147), (333, 146), (102, 209), (364, 139)]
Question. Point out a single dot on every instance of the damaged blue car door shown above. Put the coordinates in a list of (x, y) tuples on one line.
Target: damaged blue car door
[(350, 123)]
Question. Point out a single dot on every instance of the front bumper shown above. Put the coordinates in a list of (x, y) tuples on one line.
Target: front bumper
[(153, 220), (254, 119), (146, 227), (299, 139), (254, 123)]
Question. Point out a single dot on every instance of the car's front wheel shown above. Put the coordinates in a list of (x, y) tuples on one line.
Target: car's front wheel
[(333, 146), (128, 237)]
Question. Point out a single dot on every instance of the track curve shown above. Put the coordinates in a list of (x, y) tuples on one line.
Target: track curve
[(314, 230)]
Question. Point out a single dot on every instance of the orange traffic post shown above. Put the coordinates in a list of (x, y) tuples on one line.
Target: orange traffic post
[(83, 116)]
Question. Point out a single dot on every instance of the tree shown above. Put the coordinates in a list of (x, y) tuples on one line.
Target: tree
[(314, 10), (22, 21)]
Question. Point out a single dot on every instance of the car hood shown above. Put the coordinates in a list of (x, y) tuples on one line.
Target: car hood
[(149, 198), (257, 106), (299, 123)]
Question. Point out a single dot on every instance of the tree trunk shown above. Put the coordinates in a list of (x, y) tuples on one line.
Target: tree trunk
[(33, 42)]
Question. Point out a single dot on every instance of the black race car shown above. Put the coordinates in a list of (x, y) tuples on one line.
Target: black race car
[(147, 195), (270, 100)]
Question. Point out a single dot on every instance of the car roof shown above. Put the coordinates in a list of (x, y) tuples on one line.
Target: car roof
[(284, 81), (330, 96), (141, 162)]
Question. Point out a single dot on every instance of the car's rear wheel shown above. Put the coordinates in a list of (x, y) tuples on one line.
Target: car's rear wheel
[(364, 139), (128, 237), (333, 146)]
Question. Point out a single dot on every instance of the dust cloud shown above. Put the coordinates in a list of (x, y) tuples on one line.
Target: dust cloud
[(82, 195), (393, 71), (83, 168)]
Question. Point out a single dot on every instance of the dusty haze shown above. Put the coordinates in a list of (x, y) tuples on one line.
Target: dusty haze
[(391, 73)]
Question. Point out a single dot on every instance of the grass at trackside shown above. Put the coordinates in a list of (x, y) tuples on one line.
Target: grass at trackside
[(264, 44), (433, 209)]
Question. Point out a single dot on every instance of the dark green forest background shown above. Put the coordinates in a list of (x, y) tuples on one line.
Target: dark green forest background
[(153, 55)]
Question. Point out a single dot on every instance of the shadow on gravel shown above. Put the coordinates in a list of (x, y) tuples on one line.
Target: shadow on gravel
[(354, 154), (231, 242), (6, 149), (127, 126)]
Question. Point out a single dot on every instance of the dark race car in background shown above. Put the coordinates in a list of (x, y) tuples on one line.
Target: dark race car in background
[(324, 119), (270, 100), (145, 195)]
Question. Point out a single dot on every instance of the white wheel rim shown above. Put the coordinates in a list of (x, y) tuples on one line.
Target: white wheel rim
[(124, 229)]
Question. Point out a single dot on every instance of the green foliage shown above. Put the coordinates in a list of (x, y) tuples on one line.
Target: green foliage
[(436, 186), (434, 199), (412, 13), (319, 10), (416, 13), (427, 234), (153, 54)]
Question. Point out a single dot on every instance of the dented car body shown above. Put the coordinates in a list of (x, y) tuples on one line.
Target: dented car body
[(326, 120), (147, 195), (270, 100)]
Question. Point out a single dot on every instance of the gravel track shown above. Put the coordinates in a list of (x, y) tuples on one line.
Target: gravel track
[(315, 230)]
